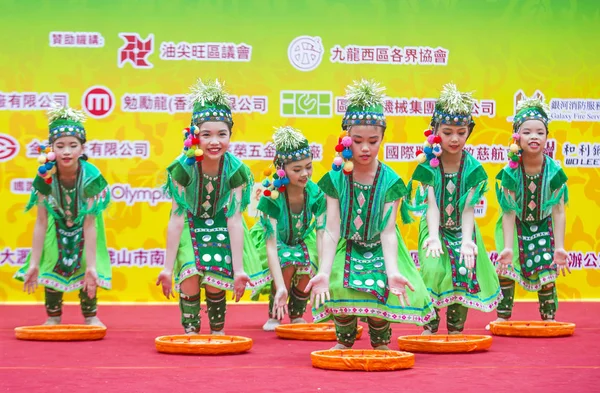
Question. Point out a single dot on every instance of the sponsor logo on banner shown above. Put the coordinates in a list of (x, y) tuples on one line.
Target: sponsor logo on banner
[(135, 51), (494, 154), (179, 103), (305, 53), (98, 101), (415, 55), (103, 149), (301, 103), (262, 151), (565, 109), (582, 155), (9, 147), (70, 39), (394, 106), (206, 51), (31, 101), (21, 186), (132, 195)]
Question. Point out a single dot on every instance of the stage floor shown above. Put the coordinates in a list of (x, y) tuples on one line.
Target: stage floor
[(126, 359)]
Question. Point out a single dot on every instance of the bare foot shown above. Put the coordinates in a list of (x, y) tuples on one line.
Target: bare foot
[(341, 346), (192, 333), (298, 320), (51, 321), (94, 321), (217, 333), (427, 332), (271, 324), (381, 348), (497, 320), (455, 333)]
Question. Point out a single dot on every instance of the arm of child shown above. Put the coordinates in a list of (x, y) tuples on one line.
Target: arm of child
[(319, 284), (468, 248), (281, 293), (505, 256), (90, 281), (236, 237), (389, 246), (174, 230), (432, 244), (39, 234)]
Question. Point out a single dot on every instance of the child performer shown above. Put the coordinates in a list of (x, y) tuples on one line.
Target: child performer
[(363, 255), (206, 233), (530, 233), (454, 263), (69, 249), (291, 226)]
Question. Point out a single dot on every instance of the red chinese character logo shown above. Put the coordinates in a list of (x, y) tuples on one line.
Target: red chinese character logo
[(9, 147), (135, 50), (98, 101)]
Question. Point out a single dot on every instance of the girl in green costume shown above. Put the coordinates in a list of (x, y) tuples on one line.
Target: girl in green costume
[(69, 246), (206, 236), (291, 226), (363, 254), (530, 233), (454, 262)]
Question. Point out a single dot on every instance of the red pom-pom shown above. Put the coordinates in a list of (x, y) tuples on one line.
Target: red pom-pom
[(428, 132), (418, 152), (339, 148), (195, 141), (281, 189), (48, 180), (267, 192), (199, 158), (437, 139), (346, 172)]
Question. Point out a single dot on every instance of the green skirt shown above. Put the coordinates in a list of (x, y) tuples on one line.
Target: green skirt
[(448, 281), (207, 254), (358, 286), (63, 261), (533, 252), (302, 256)]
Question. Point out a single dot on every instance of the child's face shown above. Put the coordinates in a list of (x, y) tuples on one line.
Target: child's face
[(365, 143), (533, 137), (68, 149), (299, 172), (214, 139), (453, 137)]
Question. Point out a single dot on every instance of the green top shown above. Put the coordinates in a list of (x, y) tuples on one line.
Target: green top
[(90, 186), (200, 191), (534, 195), (292, 228), (362, 215)]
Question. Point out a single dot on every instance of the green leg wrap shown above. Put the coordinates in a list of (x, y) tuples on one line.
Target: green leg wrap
[(434, 324), (380, 332), (345, 329), (88, 305), (190, 312), (53, 301), (297, 302), (456, 316), (548, 301), (216, 307), (505, 306)]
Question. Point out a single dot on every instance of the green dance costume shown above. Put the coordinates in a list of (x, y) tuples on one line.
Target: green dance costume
[(206, 203), (449, 282), (296, 240), (62, 263), (358, 284)]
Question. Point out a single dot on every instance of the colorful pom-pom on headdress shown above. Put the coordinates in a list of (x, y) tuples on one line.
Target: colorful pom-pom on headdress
[(47, 161), (432, 150), (290, 146), (365, 107)]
